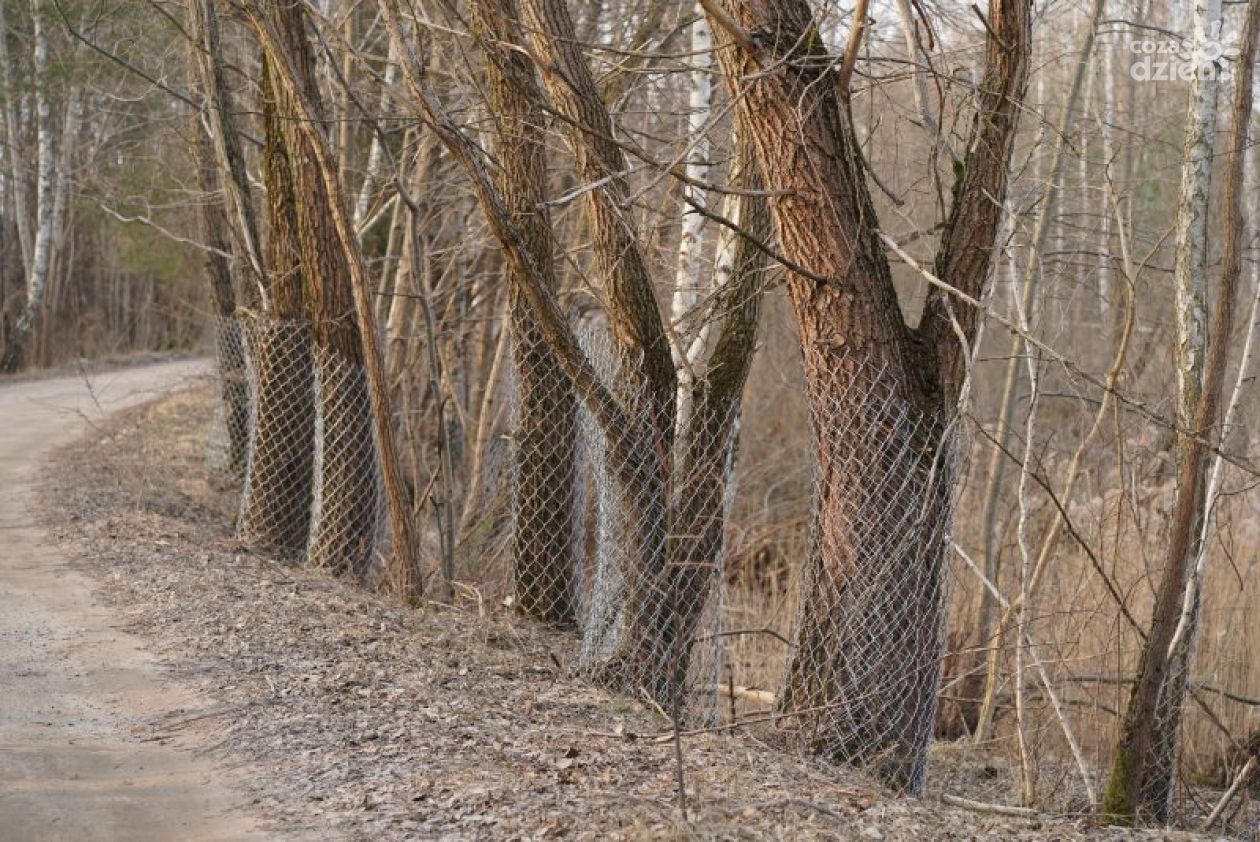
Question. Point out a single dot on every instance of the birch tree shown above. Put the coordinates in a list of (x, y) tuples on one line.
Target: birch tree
[(1143, 770), (51, 186), (688, 286)]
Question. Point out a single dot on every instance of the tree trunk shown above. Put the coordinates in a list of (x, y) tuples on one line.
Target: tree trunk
[(346, 505), (13, 154), (276, 505), (233, 393), (233, 385), (220, 117), (861, 680), (645, 381), (635, 415), (709, 427), (331, 255), (1143, 770), (45, 189), (861, 684), (865, 666), (544, 497), (689, 289)]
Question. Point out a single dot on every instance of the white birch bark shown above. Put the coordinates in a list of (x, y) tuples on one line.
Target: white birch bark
[(45, 195), (13, 138), (1190, 265), (1107, 136), (689, 288), (1229, 424), (376, 154)]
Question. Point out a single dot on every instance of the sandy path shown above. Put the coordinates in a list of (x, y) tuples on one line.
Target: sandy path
[(72, 686)]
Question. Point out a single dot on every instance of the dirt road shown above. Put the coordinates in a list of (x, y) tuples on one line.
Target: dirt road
[(73, 687)]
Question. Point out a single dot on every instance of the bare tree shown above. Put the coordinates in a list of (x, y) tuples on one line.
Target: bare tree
[(545, 505), (52, 182), (225, 139), (637, 416), (221, 265), (1144, 767), (866, 690), (275, 508), (356, 445), (343, 530)]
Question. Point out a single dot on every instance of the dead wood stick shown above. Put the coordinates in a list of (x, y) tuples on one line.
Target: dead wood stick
[(735, 691), (1239, 781), (986, 807)]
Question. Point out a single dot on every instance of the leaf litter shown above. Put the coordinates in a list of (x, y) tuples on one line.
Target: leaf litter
[(356, 718)]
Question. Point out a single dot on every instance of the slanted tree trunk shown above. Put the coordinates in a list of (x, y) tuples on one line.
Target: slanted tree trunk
[(546, 430), (1143, 769), (276, 505), (330, 245), (225, 142), (646, 380), (861, 684), (233, 385), (346, 500)]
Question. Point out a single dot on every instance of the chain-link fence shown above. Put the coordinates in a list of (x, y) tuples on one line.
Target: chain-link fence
[(312, 478), (622, 528), (616, 527), (276, 502), (862, 679), (227, 449), (347, 500), (795, 584), (614, 506)]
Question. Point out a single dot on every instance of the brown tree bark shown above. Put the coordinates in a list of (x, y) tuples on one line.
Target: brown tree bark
[(225, 145), (276, 505), (636, 506), (862, 681), (636, 415), (233, 385), (332, 225), (546, 433), (643, 347), (346, 502)]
